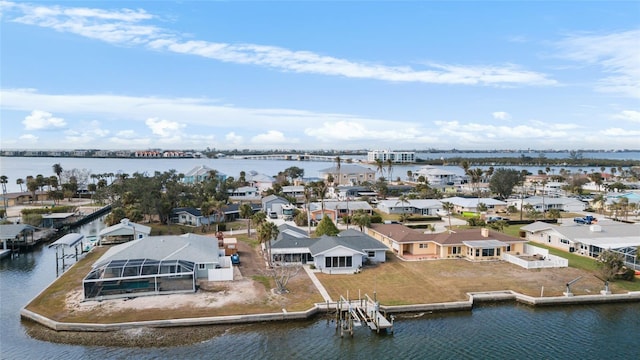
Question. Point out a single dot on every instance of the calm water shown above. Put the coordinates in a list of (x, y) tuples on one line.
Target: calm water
[(21, 167), (497, 331), (505, 331)]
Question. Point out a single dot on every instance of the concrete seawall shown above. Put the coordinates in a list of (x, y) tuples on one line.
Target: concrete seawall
[(474, 298)]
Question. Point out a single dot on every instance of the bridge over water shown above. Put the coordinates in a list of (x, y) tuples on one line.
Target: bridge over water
[(291, 157)]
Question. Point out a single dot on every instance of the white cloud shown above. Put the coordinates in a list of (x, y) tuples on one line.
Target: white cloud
[(164, 128), (30, 138), (618, 132), (232, 138), (617, 54), (628, 115), (124, 27), (272, 137), (501, 115), (42, 120)]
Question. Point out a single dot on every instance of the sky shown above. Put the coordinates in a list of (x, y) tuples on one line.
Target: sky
[(387, 75)]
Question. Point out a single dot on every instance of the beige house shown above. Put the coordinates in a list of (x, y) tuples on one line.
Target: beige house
[(472, 244), (349, 174)]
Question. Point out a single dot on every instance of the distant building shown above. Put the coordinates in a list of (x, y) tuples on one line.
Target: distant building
[(349, 174), (394, 156)]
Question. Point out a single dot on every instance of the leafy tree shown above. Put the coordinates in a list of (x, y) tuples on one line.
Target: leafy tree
[(294, 172), (610, 264), (504, 180), (327, 227), (361, 218)]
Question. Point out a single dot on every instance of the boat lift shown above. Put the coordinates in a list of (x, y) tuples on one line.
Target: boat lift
[(354, 313), (69, 240)]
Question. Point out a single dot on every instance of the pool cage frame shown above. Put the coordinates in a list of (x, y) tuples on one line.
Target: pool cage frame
[(138, 277)]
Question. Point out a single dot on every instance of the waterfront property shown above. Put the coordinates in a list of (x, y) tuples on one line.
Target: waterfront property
[(439, 177), (349, 174), (202, 173), (157, 265), (345, 253), (24, 197), (244, 193), (471, 244), (123, 231), (396, 157), (589, 240), (13, 235)]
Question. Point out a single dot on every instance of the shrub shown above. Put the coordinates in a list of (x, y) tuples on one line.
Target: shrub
[(376, 219)]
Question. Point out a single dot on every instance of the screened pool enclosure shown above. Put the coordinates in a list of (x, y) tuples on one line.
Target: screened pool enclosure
[(136, 277)]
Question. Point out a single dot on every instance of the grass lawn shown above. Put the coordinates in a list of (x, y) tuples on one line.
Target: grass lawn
[(398, 282)]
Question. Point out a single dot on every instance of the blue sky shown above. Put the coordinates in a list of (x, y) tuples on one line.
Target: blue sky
[(320, 75)]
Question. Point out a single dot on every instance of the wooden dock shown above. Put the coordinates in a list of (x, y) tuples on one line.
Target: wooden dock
[(363, 311)]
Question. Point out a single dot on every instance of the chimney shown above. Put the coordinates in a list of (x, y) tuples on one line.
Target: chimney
[(484, 232)]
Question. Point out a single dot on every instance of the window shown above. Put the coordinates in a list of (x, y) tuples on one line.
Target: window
[(424, 246), (371, 254), (487, 252), (338, 261), (508, 248), (477, 252), (455, 250), (564, 241), (202, 266)]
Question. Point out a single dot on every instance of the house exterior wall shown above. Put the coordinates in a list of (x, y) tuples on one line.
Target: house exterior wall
[(422, 248), (551, 238)]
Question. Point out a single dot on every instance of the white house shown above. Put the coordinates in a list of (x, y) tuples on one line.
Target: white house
[(410, 206), (156, 265), (545, 204), (438, 176), (123, 231), (589, 240), (461, 204), (261, 181)]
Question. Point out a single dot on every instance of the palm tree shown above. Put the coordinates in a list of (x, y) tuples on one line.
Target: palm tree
[(57, 169), (338, 161), (19, 182), (380, 167), (267, 232), (448, 207), (402, 200), (320, 189), (4, 180), (389, 163), (246, 211), (308, 194)]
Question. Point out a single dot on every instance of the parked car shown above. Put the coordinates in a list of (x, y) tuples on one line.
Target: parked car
[(273, 215), (492, 219), (587, 220)]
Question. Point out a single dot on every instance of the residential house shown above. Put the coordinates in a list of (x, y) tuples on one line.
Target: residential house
[(461, 204), (24, 197), (472, 244), (294, 191), (589, 240), (273, 204), (338, 209), (348, 192), (244, 193), (345, 253), (427, 207), (261, 181), (124, 231), (349, 174), (437, 176), (544, 204), (191, 216), (157, 265), (202, 173)]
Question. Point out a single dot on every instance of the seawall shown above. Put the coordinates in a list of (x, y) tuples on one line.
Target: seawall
[(474, 298)]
